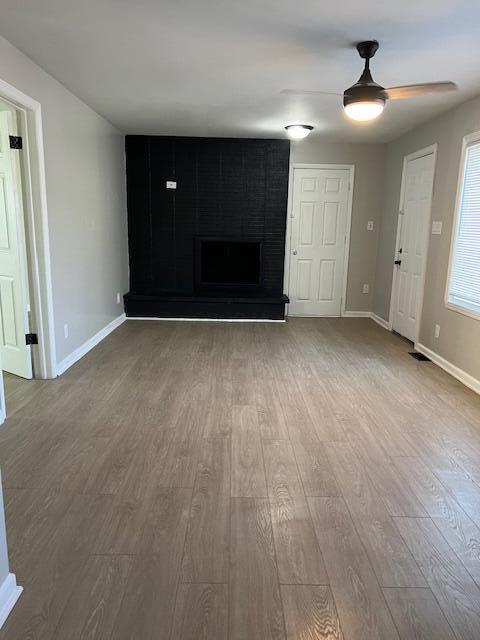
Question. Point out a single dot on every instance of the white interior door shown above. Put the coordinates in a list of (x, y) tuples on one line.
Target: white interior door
[(318, 241), (15, 355), (414, 225)]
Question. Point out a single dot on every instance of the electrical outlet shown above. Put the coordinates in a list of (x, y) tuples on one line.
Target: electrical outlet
[(65, 331), (171, 184), (118, 297), (365, 288), (437, 331), (370, 225), (437, 227)]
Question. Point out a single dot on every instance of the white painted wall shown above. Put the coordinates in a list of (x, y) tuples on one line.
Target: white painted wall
[(85, 173)]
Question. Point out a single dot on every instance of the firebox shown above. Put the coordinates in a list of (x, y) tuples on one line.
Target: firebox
[(228, 264)]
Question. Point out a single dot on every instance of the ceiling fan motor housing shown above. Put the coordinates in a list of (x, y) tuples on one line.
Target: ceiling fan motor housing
[(364, 92)]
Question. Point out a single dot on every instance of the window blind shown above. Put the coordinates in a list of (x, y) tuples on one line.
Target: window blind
[(464, 285)]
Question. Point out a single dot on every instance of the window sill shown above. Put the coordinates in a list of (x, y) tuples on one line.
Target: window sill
[(471, 313)]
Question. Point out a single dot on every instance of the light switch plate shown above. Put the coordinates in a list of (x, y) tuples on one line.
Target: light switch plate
[(370, 225), (171, 184), (437, 227)]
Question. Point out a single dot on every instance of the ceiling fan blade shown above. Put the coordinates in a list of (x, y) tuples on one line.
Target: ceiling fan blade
[(414, 90), (295, 92)]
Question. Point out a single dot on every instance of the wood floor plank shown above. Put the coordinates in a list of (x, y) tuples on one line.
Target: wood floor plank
[(461, 533), (147, 608), (245, 390), (218, 414), (315, 470), (326, 424), (283, 480), (417, 615), (310, 613), (395, 494), (122, 528), (273, 415), (207, 543), (254, 596), (453, 587), (299, 559), (360, 603), (214, 469), (165, 525), (391, 560), (201, 612), (95, 601), (248, 473)]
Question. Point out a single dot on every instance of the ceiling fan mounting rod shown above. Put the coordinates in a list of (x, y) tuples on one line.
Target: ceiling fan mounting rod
[(367, 50)]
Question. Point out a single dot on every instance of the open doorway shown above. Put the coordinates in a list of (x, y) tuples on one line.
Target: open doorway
[(15, 336), (27, 339)]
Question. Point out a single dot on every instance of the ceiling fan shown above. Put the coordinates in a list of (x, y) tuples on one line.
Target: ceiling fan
[(366, 99)]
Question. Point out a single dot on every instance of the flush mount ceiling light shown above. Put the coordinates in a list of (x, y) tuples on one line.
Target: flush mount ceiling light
[(366, 99), (298, 131)]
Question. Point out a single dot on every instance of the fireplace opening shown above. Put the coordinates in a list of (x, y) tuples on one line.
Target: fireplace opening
[(226, 263)]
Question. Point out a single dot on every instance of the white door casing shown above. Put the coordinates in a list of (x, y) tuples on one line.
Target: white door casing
[(318, 246), (412, 243), (15, 354)]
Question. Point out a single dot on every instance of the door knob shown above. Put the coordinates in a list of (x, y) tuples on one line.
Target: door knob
[(294, 252), (398, 262)]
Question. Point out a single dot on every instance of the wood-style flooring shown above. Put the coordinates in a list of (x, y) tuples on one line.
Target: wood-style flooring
[(214, 481)]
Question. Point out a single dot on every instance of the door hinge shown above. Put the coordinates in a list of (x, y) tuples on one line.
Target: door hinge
[(16, 142), (31, 338)]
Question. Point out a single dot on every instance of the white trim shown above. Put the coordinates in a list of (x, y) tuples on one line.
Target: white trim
[(431, 150), (288, 234), (204, 319), (466, 142), (383, 323), (9, 594), (461, 375), (37, 224), (357, 314), (87, 346), (306, 315), (463, 310)]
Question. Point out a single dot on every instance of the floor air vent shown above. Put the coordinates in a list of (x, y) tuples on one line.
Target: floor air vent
[(419, 356)]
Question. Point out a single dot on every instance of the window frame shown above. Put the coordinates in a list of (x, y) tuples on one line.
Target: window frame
[(468, 141)]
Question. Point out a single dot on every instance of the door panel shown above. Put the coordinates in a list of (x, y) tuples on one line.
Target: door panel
[(319, 224), (15, 355), (414, 224)]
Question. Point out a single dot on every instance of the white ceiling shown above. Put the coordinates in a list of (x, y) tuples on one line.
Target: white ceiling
[(216, 67)]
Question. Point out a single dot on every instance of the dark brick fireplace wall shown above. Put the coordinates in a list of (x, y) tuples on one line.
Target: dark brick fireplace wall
[(225, 187)]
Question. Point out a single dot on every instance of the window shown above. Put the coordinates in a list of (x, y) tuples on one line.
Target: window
[(463, 287)]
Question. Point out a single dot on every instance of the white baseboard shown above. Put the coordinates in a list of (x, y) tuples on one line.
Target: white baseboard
[(461, 375), (383, 323), (9, 594), (356, 314), (70, 360), (205, 319)]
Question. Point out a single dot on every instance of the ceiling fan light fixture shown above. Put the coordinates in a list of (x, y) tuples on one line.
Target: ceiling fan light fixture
[(362, 111), (298, 131), (365, 100)]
